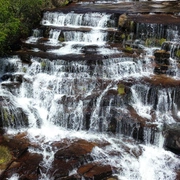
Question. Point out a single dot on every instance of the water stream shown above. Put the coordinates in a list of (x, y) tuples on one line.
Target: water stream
[(81, 99)]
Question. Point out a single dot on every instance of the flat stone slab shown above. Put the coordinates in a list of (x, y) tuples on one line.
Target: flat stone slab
[(155, 18), (129, 7), (151, 12)]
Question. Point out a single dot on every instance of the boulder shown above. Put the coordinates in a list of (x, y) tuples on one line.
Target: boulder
[(162, 57), (27, 166), (172, 138), (95, 171), (79, 150), (22, 162)]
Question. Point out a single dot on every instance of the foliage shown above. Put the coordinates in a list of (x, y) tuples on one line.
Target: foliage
[(17, 18), (9, 25)]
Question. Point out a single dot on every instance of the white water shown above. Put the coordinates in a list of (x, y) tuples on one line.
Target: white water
[(72, 19), (36, 35), (74, 40), (56, 93)]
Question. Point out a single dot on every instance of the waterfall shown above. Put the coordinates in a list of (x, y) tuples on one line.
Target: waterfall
[(74, 19), (87, 89)]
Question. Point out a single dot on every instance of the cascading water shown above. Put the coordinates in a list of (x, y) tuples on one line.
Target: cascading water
[(94, 100)]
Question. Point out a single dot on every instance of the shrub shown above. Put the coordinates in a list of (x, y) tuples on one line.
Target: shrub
[(17, 18)]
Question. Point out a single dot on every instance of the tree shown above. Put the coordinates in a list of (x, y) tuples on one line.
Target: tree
[(17, 18), (9, 25)]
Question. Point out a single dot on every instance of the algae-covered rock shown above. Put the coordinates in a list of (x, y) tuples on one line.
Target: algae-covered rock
[(122, 20), (5, 156), (121, 89)]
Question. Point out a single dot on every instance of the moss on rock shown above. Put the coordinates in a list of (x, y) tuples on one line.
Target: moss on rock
[(121, 89), (5, 156)]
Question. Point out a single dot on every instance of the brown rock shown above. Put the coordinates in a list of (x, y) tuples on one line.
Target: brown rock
[(95, 171), (122, 20), (77, 150), (178, 175), (60, 169), (26, 166)]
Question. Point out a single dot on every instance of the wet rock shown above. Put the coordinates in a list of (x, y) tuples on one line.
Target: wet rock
[(18, 144), (73, 177), (95, 171), (163, 62), (89, 49), (162, 80), (72, 155), (5, 158), (24, 163), (6, 77), (25, 58), (162, 57), (178, 175), (12, 77), (79, 150), (60, 168), (172, 138), (13, 117), (173, 48), (112, 178), (27, 166), (122, 20)]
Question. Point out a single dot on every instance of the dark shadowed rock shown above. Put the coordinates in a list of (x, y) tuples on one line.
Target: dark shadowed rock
[(6, 77), (172, 138), (162, 57)]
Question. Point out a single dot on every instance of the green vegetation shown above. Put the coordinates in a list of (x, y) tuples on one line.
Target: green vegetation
[(178, 53), (61, 39), (123, 36), (17, 18), (161, 41), (5, 156), (24, 69), (154, 42), (5, 114), (128, 49), (43, 64), (121, 89)]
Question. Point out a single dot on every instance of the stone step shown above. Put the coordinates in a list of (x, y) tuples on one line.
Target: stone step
[(126, 7), (27, 54), (81, 28)]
